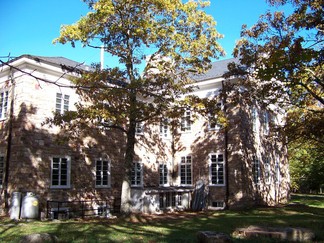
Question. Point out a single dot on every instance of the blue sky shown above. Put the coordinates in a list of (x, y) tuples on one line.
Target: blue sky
[(29, 26)]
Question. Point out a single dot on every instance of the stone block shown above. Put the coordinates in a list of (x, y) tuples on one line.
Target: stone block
[(212, 237)]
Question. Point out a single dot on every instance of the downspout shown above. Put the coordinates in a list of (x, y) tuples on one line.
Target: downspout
[(226, 147), (9, 142)]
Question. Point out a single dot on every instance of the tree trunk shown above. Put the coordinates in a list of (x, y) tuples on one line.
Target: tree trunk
[(126, 201)]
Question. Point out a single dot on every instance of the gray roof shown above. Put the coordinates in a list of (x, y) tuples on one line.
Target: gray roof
[(63, 62), (218, 69)]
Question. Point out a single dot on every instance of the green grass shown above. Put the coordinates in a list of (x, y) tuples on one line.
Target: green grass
[(303, 211)]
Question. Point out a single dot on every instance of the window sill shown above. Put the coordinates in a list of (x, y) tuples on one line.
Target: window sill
[(217, 185), (60, 187)]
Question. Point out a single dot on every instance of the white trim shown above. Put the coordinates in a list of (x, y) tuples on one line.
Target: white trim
[(135, 163), (101, 172), (68, 179), (4, 112), (165, 170), (210, 168), (186, 163)]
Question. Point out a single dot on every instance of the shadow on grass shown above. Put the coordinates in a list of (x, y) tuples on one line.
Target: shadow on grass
[(176, 227)]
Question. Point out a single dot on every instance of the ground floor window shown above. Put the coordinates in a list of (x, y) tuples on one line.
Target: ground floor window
[(256, 171), (60, 172), (137, 174), (170, 199), (267, 170), (217, 169), (186, 170), (102, 173), (163, 171)]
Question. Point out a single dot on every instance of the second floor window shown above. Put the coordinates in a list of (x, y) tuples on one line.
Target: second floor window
[(213, 123), (254, 117), (164, 128), (62, 103), (3, 104), (139, 128), (265, 123), (102, 173), (186, 170), (186, 121)]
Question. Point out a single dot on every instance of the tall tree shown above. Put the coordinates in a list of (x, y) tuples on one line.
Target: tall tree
[(284, 53), (282, 62), (158, 44)]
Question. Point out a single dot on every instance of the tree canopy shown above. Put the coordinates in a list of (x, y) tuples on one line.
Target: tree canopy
[(159, 43), (285, 53), (282, 63)]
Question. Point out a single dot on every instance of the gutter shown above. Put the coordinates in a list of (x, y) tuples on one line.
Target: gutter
[(9, 142), (225, 149)]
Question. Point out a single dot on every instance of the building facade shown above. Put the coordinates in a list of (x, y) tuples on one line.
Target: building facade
[(198, 164)]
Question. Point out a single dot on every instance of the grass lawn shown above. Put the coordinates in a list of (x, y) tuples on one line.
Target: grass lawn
[(304, 211)]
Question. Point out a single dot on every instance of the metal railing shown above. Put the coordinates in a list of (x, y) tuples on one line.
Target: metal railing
[(77, 209)]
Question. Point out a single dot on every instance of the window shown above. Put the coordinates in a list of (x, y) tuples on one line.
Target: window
[(213, 124), (217, 169), (170, 200), (60, 172), (254, 114), (164, 128), (265, 123), (186, 121), (185, 170), (256, 170), (3, 104), (277, 171), (163, 171), (102, 173), (137, 174), (267, 170), (62, 103), (1, 170), (139, 128)]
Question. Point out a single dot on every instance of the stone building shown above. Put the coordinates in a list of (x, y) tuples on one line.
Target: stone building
[(197, 165)]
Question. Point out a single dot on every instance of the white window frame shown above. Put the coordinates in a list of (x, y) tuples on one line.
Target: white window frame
[(101, 173), (164, 128), (68, 176), (163, 174), (267, 170), (137, 176), (277, 172), (254, 118), (187, 167), (62, 103), (256, 169), (139, 128), (168, 200), (4, 104), (2, 162), (219, 169), (186, 123), (265, 123), (214, 125)]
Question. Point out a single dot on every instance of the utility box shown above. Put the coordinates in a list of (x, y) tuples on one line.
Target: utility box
[(15, 205), (30, 206)]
